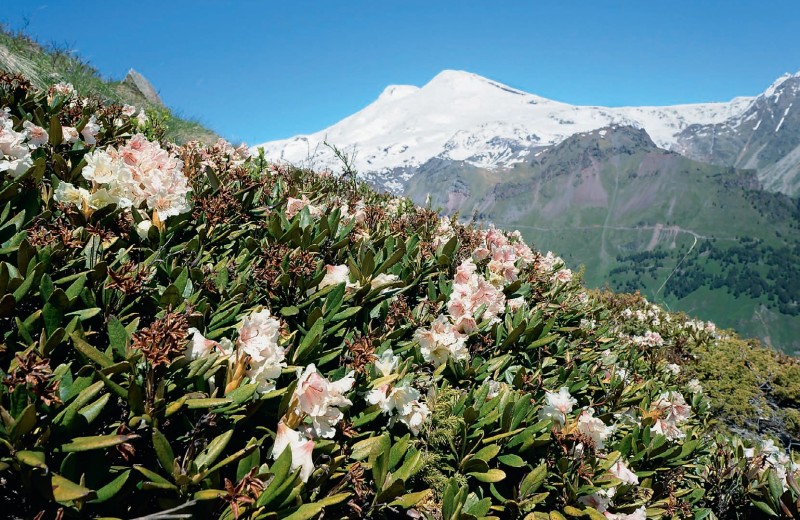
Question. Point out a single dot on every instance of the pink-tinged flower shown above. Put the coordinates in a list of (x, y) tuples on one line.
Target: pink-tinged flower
[(295, 206), (37, 135), (639, 514), (321, 399), (465, 271), (198, 345), (128, 110), (621, 471), (563, 276), (258, 338), (557, 406), (69, 135), (334, 275), (515, 303), (594, 428), (599, 500), (481, 253), (650, 339), (90, 131), (300, 447), (545, 263)]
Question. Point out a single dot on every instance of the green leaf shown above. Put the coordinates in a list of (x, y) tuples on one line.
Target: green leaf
[(90, 352), (34, 459), (111, 489), (493, 475), (511, 460), (163, 450), (96, 442), (309, 341), (23, 423), (533, 481), (308, 511), (65, 491), (213, 450), (409, 500), (379, 460)]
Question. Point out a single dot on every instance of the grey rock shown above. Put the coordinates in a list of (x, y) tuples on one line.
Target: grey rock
[(140, 83)]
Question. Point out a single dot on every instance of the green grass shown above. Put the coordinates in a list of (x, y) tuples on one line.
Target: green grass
[(47, 65)]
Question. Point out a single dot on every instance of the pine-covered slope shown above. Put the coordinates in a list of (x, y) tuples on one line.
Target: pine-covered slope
[(189, 330)]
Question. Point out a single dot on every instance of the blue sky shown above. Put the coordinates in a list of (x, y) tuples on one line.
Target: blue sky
[(262, 70)]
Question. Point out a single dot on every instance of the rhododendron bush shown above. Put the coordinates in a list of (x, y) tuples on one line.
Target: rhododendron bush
[(195, 331)]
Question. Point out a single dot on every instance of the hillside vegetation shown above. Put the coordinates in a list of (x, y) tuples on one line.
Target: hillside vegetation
[(194, 331), (699, 238), (47, 65)]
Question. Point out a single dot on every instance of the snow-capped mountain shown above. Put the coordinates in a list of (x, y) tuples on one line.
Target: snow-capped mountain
[(461, 116)]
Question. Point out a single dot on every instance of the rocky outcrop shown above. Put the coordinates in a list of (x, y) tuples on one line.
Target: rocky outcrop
[(140, 83)]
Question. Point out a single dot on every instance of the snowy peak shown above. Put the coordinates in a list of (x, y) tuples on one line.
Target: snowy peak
[(461, 116)]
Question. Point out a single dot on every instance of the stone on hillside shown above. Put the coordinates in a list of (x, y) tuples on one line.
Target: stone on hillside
[(140, 83)]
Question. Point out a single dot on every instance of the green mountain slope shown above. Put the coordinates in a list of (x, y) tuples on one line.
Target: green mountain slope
[(699, 238), (45, 66)]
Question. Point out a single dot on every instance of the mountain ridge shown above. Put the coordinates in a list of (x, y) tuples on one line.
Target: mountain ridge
[(459, 115)]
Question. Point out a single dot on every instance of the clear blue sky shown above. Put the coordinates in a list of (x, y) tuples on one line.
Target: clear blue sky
[(262, 70)]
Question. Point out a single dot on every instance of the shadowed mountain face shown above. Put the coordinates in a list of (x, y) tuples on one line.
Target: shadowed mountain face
[(700, 238), (765, 137)]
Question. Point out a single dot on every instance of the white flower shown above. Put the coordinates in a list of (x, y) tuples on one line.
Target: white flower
[(622, 472), (383, 280), (301, 448), (673, 369), (69, 135), (515, 303), (128, 110), (66, 193), (639, 514), (414, 416), (594, 428), (563, 276), (334, 275), (599, 500), (557, 406), (37, 135), (143, 228), (387, 362), (258, 338), (694, 386), (441, 342), (321, 399), (670, 409), (90, 131)]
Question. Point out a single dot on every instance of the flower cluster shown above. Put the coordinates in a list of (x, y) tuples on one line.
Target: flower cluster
[(472, 292), (769, 455), (256, 353), (402, 399), (506, 255), (669, 410), (16, 147), (441, 342), (138, 174), (295, 206)]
